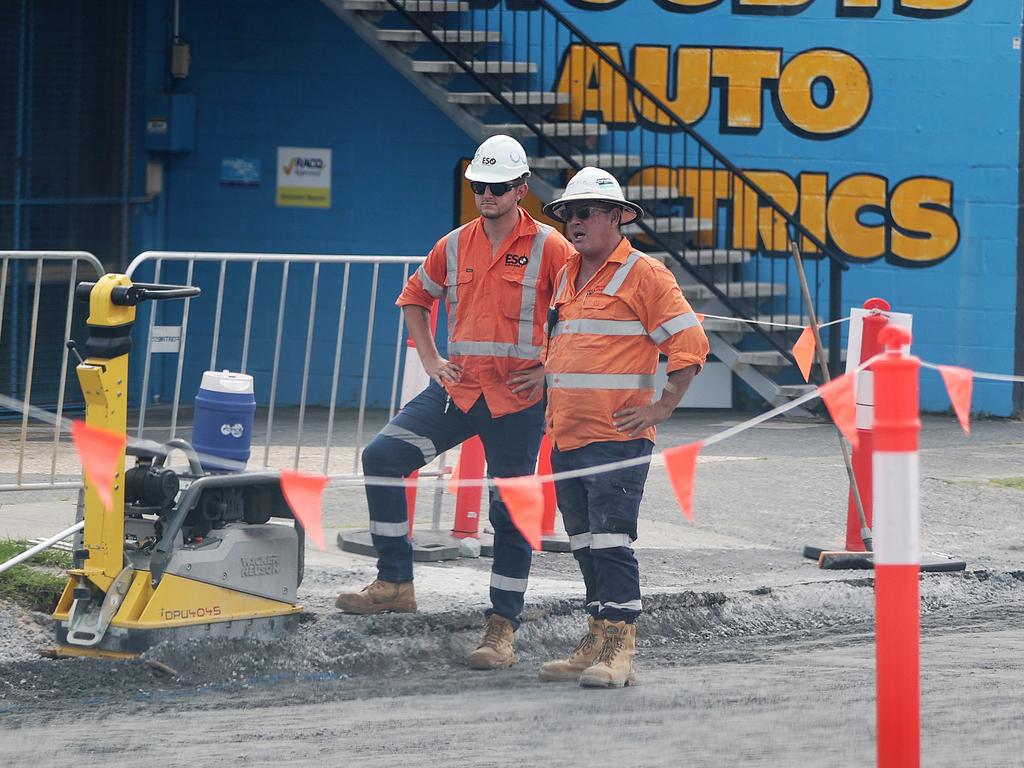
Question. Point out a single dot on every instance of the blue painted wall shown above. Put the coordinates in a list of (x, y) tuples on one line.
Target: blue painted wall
[(268, 74), (945, 102)]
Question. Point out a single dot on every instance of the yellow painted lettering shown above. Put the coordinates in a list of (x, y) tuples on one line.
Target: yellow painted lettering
[(688, 6), (859, 5), (744, 70), (930, 7), (813, 202), (924, 227), (692, 83), (594, 86), (849, 199), (849, 89), (706, 187), (787, 6), (756, 223)]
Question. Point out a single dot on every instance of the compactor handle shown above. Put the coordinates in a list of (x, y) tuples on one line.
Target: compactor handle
[(130, 296)]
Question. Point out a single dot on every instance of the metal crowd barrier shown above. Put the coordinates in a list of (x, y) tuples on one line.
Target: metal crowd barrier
[(53, 269), (241, 293)]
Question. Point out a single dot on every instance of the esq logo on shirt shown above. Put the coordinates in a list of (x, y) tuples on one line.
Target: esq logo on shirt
[(511, 260)]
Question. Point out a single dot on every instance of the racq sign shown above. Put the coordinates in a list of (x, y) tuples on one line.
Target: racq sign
[(303, 177)]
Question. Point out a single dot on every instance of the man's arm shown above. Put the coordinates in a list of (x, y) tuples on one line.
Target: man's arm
[(442, 371), (636, 420)]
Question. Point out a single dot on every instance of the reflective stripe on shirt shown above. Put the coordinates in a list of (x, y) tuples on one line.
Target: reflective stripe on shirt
[(600, 327), (494, 349), (670, 328), (528, 302), (434, 289), (600, 380), (621, 274)]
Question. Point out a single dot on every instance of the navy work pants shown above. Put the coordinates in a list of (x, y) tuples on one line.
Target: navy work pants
[(425, 428), (600, 514)]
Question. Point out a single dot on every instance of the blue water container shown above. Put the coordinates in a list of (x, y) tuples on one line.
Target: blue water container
[(222, 425)]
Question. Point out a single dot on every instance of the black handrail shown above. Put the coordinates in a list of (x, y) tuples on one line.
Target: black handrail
[(495, 86)]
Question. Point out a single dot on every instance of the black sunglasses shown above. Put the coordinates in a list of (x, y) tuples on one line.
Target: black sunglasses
[(582, 212), (499, 189)]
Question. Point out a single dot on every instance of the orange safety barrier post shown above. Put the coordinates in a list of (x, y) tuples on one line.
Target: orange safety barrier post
[(547, 522), (897, 553), (467, 500), (862, 452)]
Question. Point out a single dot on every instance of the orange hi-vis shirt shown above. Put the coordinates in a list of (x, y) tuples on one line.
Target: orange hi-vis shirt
[(603, 352), (497, 303)]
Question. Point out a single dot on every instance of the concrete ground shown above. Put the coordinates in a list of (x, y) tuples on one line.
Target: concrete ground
[(749, 653)]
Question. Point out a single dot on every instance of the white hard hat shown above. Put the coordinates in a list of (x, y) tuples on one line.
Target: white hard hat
[(500, 158), (597, 185)]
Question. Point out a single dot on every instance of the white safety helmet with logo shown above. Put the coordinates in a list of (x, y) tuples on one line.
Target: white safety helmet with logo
[(593, 184), (500, 158)]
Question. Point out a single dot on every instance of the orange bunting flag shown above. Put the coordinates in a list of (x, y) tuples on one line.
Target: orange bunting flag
[(303, 493), (842, 407), (100, 452), (700, 317), (803, 351), (681, 463), (524, 497), (959, 383)]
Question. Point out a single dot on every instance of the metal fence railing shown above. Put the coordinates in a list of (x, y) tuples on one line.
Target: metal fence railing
[(326, 356), (37, 315)]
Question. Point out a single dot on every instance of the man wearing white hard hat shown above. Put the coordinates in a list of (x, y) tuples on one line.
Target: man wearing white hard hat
[(497, 275), (614, 310)]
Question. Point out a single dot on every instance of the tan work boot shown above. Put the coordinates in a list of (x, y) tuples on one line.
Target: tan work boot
[(582, 656), (495, 650), (379, 597), (614, 665)]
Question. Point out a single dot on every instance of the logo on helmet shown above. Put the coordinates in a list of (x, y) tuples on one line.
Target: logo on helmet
[(488, 161), (606, 182)]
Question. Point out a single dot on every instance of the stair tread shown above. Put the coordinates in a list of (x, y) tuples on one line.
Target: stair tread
[(734, 290), (550, 129), (671, 224), (515, 97), (601, 160), (449, 67), (704, 257), (445, 35), (415, 6)]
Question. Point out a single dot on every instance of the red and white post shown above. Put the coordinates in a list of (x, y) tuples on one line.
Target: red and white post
[(870, 346), (897, 552)]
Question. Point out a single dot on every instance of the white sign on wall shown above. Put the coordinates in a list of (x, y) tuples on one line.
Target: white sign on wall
[(303, 177)]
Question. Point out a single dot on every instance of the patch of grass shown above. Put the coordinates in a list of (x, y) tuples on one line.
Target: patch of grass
[(1017, 483), (26, 584)]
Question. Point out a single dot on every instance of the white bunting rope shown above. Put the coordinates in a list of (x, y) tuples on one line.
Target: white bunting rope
[(743, 320), (352, 480)]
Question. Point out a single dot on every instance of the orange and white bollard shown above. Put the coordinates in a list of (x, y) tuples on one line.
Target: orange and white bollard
[(897, 552), (468, 497), (862, 455)]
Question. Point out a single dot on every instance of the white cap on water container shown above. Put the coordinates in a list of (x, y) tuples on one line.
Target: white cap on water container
[(226, 381)]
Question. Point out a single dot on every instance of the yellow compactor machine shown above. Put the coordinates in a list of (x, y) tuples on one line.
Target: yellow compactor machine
[(189, 554)]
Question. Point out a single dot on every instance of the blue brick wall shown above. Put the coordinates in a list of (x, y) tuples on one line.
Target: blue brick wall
[(945, 102), (269, 74)]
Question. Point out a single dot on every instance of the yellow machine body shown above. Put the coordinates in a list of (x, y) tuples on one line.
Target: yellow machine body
[(136, 612)]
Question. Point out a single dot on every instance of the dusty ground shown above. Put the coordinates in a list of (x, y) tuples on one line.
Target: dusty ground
[(748, 653)]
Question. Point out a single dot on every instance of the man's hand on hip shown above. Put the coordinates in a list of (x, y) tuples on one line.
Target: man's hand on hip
[(633, 421), (527, 383), (444, 372)]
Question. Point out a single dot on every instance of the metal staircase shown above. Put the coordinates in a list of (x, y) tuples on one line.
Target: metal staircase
[(521, 68)]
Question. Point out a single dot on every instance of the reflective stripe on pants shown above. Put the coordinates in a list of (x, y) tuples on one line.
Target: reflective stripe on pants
[(600, 515)]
